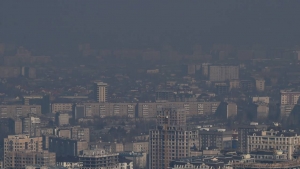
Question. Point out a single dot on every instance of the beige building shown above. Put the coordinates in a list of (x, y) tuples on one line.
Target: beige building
[(64, 133), (231, 110), (261, 99), (21, 159), (289, 98), (114, 147), (142, 146), (106, 109), (100, 90), (260, 85), (234, 84), (149, 110), (170, 131), (17, 143), (62, 119), (80, 133), (19, 110), (267, 140), (262, 110), (18, 126), (61, 107), (22, 142)]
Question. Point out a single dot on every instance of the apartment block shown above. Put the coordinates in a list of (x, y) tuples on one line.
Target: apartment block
[(170, 140), (22, 142), (62, 119), (21, 159), (105, 109), (287, 141), (61, 107), (142, 146), (223, 73), (13, 111), (210, 139), (289, 98), (149, 110), (99, 158)]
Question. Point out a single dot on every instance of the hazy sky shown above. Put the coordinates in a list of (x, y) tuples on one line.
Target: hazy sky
[(35, 21)]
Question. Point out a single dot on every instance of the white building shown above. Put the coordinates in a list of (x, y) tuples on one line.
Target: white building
[(223, 73), (288, 142)]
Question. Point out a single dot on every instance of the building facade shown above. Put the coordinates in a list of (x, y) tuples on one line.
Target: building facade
[(100, 92), (170, 140)]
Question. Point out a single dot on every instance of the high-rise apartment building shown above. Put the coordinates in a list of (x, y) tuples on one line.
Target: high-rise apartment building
[(100, 90), (19, 143), (31, 124), (170, 140), (21, 159), (223, 73), (289, 98)]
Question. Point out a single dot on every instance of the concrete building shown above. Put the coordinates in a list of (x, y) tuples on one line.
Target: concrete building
[(66, 147), (279, 140), (7, 126), (113, 147), (80, 133), (262, 110), (231, 109), (64, 133), (31, 124), (149, 110), (170, 131), (223, 73), (61, 107), (99, 158), (260, 85), (14, 111), (243, 132), (105, 110), (210, 140), (234, 84), (62, 119), (21, 159), (17, 143), (226, 110), (42, 100), (24, 142), (261, 99), (141, 146), (205, 69), (139, 159), (289, 98), (100, 90)]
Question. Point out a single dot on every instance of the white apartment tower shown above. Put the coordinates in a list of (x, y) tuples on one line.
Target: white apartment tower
[(100, 90)]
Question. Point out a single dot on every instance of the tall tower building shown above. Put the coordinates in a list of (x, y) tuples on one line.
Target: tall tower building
[(170, 140), (100, 90)]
